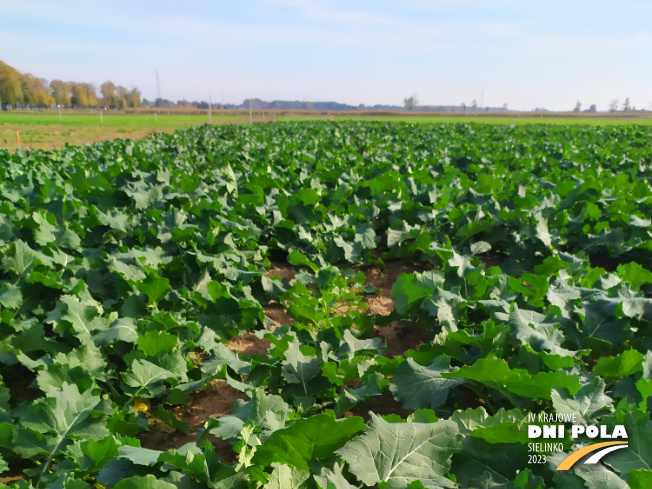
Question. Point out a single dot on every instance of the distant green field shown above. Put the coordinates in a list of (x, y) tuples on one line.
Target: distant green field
[(108, 118), (45, 130), (151, 120), (495, 119)]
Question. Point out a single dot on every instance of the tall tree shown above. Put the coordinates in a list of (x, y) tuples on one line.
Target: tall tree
[(411, 103), (60, 92), (83, 94), (122, 97), (613, 105), (109, 97), (10, 87), (35, 91), (91, 94), (48, 99), (133, 98), (77, 95), (626, 106)]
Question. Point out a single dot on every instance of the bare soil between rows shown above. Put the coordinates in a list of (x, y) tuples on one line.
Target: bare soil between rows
[(219, 398)]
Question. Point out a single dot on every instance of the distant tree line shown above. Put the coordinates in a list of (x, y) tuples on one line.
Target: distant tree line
[(24, 90), (613, 106)]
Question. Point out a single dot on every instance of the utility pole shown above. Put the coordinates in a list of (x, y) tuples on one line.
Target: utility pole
[(158, 85)]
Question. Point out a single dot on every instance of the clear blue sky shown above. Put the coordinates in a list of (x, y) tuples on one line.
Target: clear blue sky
[(524, 53)]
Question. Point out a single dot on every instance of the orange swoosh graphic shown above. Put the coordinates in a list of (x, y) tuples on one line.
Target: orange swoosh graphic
[(575, 456)]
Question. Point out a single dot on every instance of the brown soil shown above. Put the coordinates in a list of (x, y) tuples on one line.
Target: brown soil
[(276, 312), (210, 403), (281, 270), (16, 471), (249, 343), (8, 479), (57, 136), (401, 336), (384, 278), (380, 304)]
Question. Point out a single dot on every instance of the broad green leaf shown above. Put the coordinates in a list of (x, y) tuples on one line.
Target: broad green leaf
[(502, 427), (122, 329), (264, 413), (536, 331), (479, 247), (114, 219), (154, 342), (638, 307), (32, 338), (350, 345), (599, 477), (221, 355), (191, 461), (299, 368), (423, 387), (147, 482), (82, 316), (366, 236), (308, 439), (20, 257), (64, 415), (400, 453), (462, 263), (139, 455), (634, 274), (639, 479), (497, 374), (155, 287), (146, 376), (10, 296), (600, 322), (285, 477), (481, 464), (333, 478), (638, 454), (128, 271), (411, 289), (621, 365), (297, 258), (587, 404)]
